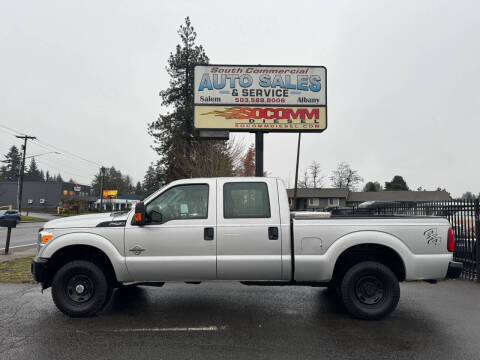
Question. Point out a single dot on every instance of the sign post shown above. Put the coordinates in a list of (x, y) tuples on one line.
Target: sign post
[(258, 153), (260, 99), (9, 224)]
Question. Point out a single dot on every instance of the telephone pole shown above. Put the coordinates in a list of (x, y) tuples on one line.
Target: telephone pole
[(102, 171), (22, 170)]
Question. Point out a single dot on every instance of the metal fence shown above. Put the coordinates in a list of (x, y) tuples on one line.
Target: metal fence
[(463, 215)]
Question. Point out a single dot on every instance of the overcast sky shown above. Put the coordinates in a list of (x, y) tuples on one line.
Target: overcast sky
[(403, 77)]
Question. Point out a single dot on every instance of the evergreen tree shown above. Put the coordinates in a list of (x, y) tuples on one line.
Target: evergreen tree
[(11, 169), (47, 176), (372, 186), (33, 173), (182, 153), (58, 178), (113, 180), (468, 195), (397, 184), (139, 190), (150, 181)]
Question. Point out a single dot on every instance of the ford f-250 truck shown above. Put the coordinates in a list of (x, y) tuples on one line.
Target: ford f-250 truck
[(239, 229)]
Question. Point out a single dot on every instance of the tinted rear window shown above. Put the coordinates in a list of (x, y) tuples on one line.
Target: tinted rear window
[(246, 200)]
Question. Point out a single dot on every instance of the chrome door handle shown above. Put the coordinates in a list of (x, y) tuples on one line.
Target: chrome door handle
[(137, 249)]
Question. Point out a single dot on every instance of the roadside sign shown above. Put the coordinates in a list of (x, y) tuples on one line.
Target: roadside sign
[(110, 194), (260, 98)]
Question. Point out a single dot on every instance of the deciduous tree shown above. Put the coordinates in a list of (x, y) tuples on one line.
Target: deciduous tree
[(345, 177), (316, 174)]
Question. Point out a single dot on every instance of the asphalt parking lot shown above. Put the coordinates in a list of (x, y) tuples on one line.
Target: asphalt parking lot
[(233, 321)]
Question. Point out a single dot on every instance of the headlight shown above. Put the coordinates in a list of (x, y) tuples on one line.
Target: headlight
[(44, 237)]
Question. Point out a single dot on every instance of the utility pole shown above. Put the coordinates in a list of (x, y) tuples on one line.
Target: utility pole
[(102, 171), (22, 170), (296, 174)]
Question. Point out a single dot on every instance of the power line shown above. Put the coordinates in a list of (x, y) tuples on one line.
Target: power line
[(68, 152), (50, 146), (12, 130)]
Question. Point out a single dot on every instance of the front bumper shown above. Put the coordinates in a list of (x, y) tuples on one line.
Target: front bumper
[(39, 269), (454, 270)]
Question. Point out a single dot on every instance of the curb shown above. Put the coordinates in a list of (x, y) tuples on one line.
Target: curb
[(15, 254)]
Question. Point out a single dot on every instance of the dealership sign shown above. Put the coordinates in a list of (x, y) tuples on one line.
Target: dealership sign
[(268, 98)]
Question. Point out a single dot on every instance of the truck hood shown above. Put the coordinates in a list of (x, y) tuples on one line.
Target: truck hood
[(88, 221)]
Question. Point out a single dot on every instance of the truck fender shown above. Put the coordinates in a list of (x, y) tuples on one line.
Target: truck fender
[(366, 238), (94, 240), (321, 267)]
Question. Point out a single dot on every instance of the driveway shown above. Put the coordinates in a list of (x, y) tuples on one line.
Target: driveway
[(233, 321)]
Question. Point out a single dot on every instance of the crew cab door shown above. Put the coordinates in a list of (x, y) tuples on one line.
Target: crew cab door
[(248, 227), (178, 242)]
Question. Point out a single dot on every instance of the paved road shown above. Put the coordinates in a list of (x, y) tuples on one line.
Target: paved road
[(23, 235), (233, 321)]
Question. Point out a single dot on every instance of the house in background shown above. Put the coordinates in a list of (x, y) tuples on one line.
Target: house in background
[(356, 198), (320, 199)]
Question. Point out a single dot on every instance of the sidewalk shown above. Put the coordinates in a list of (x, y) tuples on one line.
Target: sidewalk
[(18, 253)]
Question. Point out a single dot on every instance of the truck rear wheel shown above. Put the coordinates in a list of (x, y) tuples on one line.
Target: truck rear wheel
[(369, 290), (80, 288)]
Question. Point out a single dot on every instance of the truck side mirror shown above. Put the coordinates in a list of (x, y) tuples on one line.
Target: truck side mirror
[(139, 216)]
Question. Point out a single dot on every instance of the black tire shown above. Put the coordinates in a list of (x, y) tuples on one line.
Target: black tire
[(80, 289), (369, 290)]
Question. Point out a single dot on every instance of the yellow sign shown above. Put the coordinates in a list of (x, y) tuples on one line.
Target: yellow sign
[(306, 118), (112, 194)]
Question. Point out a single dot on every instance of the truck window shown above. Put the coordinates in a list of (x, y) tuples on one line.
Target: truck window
[(179, 203), (245, 200)]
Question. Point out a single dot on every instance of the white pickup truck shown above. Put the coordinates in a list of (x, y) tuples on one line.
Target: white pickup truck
[(239, 229)]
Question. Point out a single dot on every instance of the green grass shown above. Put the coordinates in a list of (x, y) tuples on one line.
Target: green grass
[(31, 218), (16, 271)]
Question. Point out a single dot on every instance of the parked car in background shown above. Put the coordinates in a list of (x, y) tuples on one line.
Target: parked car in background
[(463, 223), (10, 214), (464, 227)]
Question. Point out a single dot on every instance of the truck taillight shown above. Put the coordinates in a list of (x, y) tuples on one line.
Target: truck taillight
[(450, 240)]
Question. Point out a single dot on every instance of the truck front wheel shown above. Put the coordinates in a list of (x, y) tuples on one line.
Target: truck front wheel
[(80, 288), (369, 290)]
